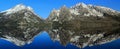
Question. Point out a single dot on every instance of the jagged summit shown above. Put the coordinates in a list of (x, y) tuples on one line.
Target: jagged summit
[(82, 5), (83, 10), (81, 25), (93, 10), (17, 8)]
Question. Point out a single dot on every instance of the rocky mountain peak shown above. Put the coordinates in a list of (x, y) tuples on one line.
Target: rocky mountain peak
[(17, 8), (83, 5), (82, 25), (82, 10), (93, 10)]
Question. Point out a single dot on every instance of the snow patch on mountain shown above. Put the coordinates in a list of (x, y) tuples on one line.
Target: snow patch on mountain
[(85, 10), (17, 8), (91, 10), (74, 11)]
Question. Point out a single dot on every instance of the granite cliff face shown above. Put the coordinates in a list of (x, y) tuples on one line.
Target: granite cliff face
[(81, 25)]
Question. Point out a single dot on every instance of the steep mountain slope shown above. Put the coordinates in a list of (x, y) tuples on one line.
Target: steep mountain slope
[(19, 15)]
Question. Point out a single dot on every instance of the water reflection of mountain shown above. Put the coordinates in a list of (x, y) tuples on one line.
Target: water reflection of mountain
[(81, 38), (85, 36), (82, 25), (19, 36)]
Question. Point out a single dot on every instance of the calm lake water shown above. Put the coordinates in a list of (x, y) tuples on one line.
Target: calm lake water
[(43, 41)]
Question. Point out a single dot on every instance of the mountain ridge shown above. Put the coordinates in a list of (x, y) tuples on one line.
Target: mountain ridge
[(67, 25), (89, 10)]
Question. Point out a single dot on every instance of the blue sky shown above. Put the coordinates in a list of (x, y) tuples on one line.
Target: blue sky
[(44, 7)]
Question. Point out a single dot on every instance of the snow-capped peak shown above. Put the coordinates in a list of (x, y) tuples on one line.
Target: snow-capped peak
[(105, 9), (88, 10), (17, 8), (82, 5)]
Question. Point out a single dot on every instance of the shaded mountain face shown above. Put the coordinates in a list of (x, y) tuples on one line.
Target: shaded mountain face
[(81, 25)]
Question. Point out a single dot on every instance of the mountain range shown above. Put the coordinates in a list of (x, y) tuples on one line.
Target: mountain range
[(81, 25)]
